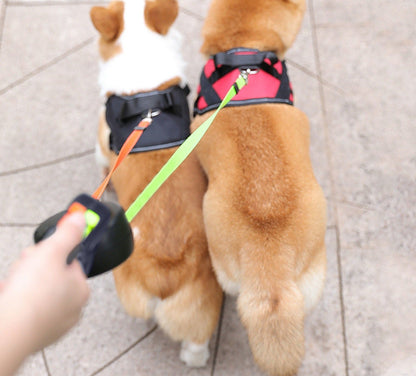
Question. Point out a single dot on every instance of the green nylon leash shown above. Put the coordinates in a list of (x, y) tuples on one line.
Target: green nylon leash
[(183, 151)]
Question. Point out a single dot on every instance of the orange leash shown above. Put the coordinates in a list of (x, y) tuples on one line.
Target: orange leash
[(124, 152)]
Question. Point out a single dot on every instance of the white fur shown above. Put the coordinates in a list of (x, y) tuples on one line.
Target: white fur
[(194, 355), (100, 158), (311, 285), (136, 232), (147, 59), (230, 285)]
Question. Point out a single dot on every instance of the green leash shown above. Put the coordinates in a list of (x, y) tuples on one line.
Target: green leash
[(183, 151)]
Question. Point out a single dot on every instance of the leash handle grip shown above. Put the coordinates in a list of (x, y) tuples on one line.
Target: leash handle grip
[(108, 240)]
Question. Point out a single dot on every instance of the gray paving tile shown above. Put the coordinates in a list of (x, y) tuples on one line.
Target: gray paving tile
[(370, 127), (32, 196), (323, 333), (373, 151), (156, 356), (2, 15), (234, 354), (302, 50), (372, 143), (33, 366), (52, 115), (379, 290), (104, 332), (34, 36), (324, 341), (361, 46), (307, 99), (196, 8), (13, 240)]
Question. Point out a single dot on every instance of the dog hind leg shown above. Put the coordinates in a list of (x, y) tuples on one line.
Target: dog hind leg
[(191, 316)]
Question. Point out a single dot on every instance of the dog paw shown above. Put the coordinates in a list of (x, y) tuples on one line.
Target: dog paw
[(194, 355)]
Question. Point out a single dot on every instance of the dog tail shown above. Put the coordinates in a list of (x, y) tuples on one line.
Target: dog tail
[(271, 309)]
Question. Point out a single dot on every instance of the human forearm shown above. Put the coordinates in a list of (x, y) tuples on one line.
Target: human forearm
[(15, 337), (42, 298)]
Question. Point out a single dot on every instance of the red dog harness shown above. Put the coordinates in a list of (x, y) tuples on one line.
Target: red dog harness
[(269, 83)]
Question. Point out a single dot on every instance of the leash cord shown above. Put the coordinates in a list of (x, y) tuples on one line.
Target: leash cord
[(125, 150), (183, 151)]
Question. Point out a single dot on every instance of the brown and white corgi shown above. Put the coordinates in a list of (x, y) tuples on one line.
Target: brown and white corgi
[(169, 275), (264, 212)]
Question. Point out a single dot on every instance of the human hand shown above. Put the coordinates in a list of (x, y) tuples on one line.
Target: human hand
[(43, 296)]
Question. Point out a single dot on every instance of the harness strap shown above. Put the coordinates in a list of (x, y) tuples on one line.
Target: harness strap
[(210, 94), (244, 61), (125, 150), (136, 105)]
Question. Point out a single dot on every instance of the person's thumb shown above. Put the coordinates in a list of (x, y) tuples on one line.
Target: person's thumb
[(68, 233)]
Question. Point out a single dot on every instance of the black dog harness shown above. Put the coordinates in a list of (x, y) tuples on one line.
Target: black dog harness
[(268, 82), (168, 129)]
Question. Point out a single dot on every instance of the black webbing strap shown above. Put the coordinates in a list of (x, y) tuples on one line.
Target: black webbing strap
[(135, 105), (233, 59)]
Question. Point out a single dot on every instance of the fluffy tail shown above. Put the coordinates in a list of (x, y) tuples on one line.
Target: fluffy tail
[(271, 309)]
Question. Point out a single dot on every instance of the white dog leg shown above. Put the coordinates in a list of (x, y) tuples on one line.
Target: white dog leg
[(194, 355)]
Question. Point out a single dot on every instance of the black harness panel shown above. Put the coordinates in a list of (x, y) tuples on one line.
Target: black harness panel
[(168, 129)]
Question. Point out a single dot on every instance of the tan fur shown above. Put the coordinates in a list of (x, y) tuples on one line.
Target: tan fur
[(160, 15), (169, 274), (268, 25), (264, 212), (109, 22)]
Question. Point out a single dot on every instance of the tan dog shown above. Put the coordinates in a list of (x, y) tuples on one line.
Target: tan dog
[(169, 276), (264, 212)]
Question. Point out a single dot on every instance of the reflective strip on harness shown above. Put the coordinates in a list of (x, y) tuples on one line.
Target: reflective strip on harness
[(270, 83)]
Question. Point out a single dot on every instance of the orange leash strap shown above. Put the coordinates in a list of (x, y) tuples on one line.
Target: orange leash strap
[(124, 152)]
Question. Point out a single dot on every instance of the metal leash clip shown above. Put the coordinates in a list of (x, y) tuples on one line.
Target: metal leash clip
[(248, 72), (148, 118)]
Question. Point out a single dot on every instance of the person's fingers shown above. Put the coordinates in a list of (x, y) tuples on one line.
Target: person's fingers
[(68, 234)]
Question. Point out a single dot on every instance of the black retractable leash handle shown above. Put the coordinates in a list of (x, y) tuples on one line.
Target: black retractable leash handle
[(108, 240)]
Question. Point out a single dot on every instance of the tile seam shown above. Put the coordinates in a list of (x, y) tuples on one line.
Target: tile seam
[(217, 340), (330, 162), (46, 66), (124, 352), (191, 14), (45, 361), (47, 163), (315, 76)]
